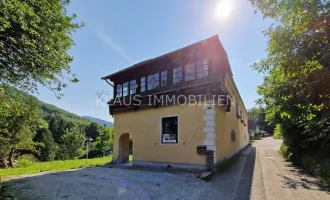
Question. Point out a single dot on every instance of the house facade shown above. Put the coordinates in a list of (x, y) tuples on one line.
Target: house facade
[(255, 127), (181, 109)]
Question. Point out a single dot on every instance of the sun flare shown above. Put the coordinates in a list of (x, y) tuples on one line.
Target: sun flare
[(224, 8)]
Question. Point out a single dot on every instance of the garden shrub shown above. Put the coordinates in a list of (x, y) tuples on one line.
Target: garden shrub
[(25, 160), (278, 132)]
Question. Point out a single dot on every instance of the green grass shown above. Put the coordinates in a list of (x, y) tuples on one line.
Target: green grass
[(55, 165)]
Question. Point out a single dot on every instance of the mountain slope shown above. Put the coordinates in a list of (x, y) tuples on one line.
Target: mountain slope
[(100, 121), (47, 110)]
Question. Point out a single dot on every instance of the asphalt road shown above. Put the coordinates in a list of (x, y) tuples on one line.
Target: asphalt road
[(275, 179), (257, 173)]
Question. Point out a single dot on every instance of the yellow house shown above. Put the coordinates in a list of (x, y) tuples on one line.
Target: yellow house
[(181, 109)]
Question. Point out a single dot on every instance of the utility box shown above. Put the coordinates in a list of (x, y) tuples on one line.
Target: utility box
[(201, 150)]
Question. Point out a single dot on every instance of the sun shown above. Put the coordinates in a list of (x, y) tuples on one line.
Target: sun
[(224, 8)]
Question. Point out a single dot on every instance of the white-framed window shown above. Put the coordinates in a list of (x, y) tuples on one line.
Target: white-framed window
[(170, 130), (132, 87), (163, 78), (125, 89), (143, 84), (119, 90), (189, 72), (202, 69), (153, 81), (177, 75)]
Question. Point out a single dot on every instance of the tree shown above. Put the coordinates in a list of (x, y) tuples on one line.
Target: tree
[(254, 114), (48, 147), (94, 130), (105, 140), (71, 144), (17, 125), (35, 37), (296, 92), (58, 125)]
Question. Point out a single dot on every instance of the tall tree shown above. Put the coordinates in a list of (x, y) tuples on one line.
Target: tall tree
[(94, 130), (253, 114), (297, 90), (17, 125), (71, 143), (105, 140), (35, 37), (58, 124), (47, 147)]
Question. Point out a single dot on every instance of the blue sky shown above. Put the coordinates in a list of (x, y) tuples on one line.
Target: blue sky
[(120, 33)]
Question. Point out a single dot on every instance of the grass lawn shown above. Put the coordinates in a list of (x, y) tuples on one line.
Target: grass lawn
[(55, 165)]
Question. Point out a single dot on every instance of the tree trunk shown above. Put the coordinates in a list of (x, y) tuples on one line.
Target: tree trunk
[(4, 161), (11, 158)]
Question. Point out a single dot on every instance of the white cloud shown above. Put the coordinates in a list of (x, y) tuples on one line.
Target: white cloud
[(116, 47)]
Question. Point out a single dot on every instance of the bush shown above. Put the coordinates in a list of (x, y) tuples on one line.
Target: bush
[(284, 150), (93, 154), (278, 133), (25, 160)]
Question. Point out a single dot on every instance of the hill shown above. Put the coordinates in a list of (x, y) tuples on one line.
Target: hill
[(100, 121), (46, 111)]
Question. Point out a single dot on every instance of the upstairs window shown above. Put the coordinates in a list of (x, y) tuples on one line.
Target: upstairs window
[(119, 90), (202, 69), (177, 75), (132, 87), (169, 130), (237, 109), (189, 72), (233, 135), (143, 84), (125, 89), (163, 78), (153, 81)]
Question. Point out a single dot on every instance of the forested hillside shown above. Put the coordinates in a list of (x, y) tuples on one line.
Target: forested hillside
[(45, 108), (100, 121), (37, 130)]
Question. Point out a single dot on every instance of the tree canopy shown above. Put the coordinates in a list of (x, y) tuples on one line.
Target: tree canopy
[(16, 127), (296, 91), (30, 126), (35, 37)]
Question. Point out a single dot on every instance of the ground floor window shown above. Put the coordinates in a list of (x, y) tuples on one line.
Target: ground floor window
[(169, 131)]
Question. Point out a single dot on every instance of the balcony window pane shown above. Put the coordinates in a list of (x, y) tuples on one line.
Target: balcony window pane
[(132, 86), (177, 75), (153, 81), (119, 90), (163, 78), (202, 69), (143, 84), (190, 72), (125, 89)]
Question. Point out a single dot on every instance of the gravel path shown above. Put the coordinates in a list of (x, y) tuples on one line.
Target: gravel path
[(111, 183), (258, 173)]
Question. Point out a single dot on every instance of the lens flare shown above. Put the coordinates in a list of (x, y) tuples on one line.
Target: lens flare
[(224, 8)]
